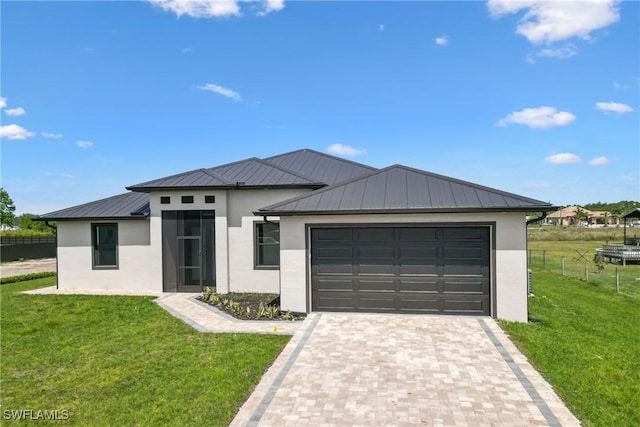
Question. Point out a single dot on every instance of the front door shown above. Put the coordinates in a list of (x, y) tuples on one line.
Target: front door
[(188, 246)]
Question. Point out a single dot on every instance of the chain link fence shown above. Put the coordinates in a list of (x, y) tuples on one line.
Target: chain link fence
[(618, 278)]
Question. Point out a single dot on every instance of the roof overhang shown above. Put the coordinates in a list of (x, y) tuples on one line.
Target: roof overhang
[(523, 209), (312, 186), (95, 218)]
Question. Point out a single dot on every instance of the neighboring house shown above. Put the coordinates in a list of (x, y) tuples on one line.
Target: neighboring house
[(571, 216), (325, 233)]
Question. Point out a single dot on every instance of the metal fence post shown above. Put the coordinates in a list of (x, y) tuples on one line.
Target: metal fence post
[(586, 271), (617, 281), (544, 260)]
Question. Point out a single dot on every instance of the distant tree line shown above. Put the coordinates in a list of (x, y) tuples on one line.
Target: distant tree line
[(25, 224), (618, 208)]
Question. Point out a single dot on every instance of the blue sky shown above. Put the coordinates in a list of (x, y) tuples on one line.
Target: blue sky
[(536, 98)]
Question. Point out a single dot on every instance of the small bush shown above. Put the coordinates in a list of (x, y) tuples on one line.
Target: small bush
[(25, 277)]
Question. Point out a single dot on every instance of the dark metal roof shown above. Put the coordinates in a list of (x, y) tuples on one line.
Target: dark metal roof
[(633, 214), (122, 206), (403, 189), (319, 166), (251, 172), (256, 172)]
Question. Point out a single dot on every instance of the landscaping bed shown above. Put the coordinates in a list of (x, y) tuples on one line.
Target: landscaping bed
[(249, 306)]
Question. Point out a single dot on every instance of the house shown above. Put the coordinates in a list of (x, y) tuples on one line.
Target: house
[(576, 215), (325, 233)]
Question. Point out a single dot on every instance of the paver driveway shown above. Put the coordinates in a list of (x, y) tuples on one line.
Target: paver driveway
[(385, 370)]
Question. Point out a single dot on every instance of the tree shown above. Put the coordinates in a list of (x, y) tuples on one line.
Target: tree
[(26, 222), (7, 208)]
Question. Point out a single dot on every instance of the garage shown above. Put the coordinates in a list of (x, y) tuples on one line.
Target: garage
[(401, 269)]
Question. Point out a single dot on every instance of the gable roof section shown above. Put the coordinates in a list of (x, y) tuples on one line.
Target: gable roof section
[(122, 206), (319, 166), (400, 189), (251, 172)]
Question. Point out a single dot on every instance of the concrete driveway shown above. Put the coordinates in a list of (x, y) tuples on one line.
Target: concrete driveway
[(390, 370)]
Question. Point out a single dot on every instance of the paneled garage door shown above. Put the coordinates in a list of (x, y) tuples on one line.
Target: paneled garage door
[(439, 270)]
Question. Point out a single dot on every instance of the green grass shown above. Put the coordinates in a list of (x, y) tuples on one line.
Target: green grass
[(114, 360), (628, 278), (589, 349)]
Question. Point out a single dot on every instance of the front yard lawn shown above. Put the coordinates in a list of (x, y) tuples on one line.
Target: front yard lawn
[(114, 360), (589, 349)]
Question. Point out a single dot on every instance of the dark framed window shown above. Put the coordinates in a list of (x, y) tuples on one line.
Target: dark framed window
[(104, 239), (165, 200), (267, 245), (187, 199), (209, 199)]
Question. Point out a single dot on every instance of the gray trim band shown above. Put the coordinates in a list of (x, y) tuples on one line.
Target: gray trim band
[(531, 390), (268, 397)]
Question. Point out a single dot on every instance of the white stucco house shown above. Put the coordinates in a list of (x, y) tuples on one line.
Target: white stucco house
[(325, 233)]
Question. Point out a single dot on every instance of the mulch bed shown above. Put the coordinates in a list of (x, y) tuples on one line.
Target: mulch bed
[(253, 301)]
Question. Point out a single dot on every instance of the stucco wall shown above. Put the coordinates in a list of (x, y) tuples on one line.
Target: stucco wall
[(75, 263), (509, 263), (243, 276)]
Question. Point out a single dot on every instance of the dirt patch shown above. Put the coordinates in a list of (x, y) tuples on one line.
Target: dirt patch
[(18, 268)]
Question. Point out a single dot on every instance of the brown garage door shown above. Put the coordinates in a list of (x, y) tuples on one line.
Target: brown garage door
[(439, 270)]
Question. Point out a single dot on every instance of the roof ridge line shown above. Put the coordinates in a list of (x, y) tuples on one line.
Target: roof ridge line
[(463, 182), (216, 176), (324, 189), (294, 173), (353, 162)]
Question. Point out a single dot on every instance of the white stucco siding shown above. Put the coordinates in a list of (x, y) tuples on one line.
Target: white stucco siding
[(75, 258), (243, 275), (508, 258)]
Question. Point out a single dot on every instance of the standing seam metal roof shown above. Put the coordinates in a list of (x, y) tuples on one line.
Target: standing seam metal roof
[(320, 166), (400, 188), (127, 205)]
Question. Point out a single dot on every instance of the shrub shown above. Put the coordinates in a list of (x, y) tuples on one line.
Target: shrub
[(25, 277)]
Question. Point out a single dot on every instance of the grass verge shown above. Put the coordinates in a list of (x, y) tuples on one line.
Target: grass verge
[(114, 360), (588, 349)]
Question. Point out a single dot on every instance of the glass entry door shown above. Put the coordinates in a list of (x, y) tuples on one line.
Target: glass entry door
[(190, 261), (188, 247)]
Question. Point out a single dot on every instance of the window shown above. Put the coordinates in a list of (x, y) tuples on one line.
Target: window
[(165, 200), (209, 199), (187, 199), (267, 245), (105, 245)]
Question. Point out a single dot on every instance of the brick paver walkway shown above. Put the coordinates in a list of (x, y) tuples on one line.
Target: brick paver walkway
[(344, 369), (393, 370)]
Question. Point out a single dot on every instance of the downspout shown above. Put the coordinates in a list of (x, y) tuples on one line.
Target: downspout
[(55, 232), (531, 221), (540, 218)]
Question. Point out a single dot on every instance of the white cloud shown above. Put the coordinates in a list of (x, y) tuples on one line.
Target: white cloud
[(221, 91), (443, 40), (272, 6), (199, 8), (3, 102), (547, 21), (186, 50), (66, 175), (621, 86), (381, 27), (15, 132), (599, 161), (345, 150), (538, 118), (15, 111), (563, 158), (614, 107), (538, 185), (564, 52), (84, 144), (51, 135)]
